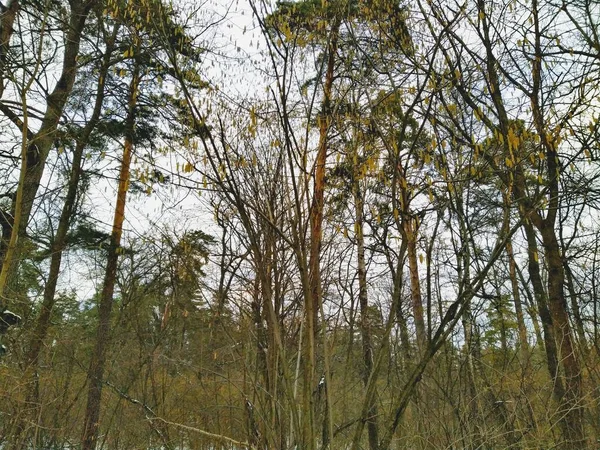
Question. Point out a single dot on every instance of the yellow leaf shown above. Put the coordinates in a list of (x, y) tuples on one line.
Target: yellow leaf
[(513, 139), (421, 259)]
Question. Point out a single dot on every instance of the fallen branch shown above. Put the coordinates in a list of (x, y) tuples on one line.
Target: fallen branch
[(217, 437)]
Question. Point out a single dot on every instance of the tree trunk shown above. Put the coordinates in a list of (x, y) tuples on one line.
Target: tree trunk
[(542, 305), (522, 328), (577, 319), (97, 363), (39, 144), (58, 245), (572, 422), (365, 323), (312, 304), (43, 141), (8, 14)]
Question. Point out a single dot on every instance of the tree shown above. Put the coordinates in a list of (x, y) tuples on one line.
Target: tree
[(36, 145)]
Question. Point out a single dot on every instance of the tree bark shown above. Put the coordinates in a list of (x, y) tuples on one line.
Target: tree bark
[(572, 413), (409, 232), (522, 328), (577, 319), (8, 14), (96, 369), (59, 243), (312, 304), (365, 323), (40, 143)]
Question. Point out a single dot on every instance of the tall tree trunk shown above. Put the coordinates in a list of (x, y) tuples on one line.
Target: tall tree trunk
[(577, 319), (97, 363), (57, 248), (312, 304), (473, 396), (8, 14), (14, 230), (572, 412), (365, 322), (531, 308), (557, 336), (409, 232), (256, 435), (542, 305), (44, 139), (514, 282), (39, 144)]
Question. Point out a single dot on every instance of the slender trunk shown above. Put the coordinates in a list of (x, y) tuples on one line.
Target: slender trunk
[(97, 363), (531, 308), (365, 323), (409, 232), (8, 14), (522, 328), (524, 349), (542, 305), (404, 337), (473, 395), (59, 243), (572, 421), (43, 140), (557, 335), (498, 304), (577, 319), (255, 435), (594, 288), (312, 305), (38, 145), (572, 416), (43, 322), (15, 228)]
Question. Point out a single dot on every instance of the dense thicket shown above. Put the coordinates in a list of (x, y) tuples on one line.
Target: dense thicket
[(305, 224)]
